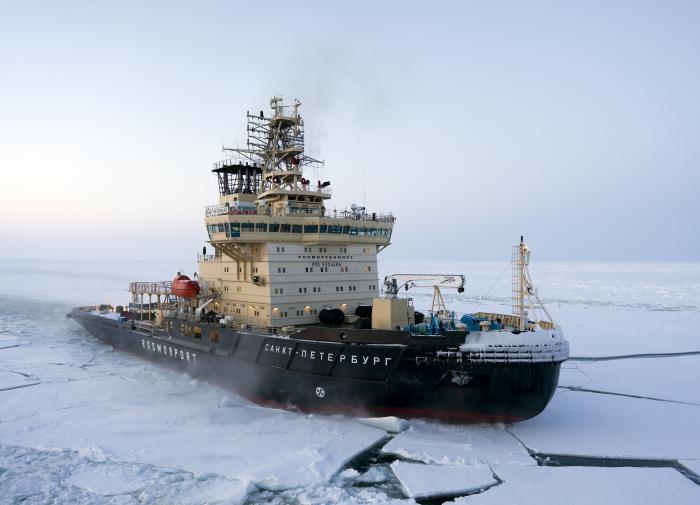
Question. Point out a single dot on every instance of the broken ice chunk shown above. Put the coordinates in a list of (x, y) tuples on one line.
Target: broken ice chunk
[(577, 485), (426, 481), (458, 445)]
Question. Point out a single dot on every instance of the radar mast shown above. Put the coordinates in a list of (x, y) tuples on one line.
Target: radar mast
[(276, 143)]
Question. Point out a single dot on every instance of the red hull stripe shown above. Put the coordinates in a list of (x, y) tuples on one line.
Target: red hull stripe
[(450, 416)]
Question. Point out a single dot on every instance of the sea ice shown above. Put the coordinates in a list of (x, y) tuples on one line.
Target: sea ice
[(129, 416), (425, 481), (669, 378), (585, 486), (475, 445), (184, 441), (13, 380), (108, 479), (591, 424), (329, 495), (372, 476)]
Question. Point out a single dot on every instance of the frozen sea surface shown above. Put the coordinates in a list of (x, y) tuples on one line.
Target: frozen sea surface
[(81, 423)]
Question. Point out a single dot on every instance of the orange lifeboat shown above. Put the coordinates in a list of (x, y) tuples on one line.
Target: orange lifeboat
[(184, 287)]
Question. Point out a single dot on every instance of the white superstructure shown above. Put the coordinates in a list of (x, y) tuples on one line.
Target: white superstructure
[(280, 255)]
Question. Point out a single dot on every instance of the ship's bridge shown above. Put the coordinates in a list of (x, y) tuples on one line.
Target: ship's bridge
[(311, 225)]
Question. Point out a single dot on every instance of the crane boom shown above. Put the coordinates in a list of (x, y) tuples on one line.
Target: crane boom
[(393, 283)]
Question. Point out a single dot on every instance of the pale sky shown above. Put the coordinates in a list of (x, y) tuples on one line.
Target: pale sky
[(576, 124)]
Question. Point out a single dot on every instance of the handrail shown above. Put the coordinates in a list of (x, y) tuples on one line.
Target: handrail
[(222, 210)]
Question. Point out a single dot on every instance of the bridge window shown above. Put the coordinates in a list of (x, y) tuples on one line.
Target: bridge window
[(220, 228), (261, 227), (323, 228), (274, 228), (311, 228), (334, 228), (296, 228), (286, 228), (346, 230), (247, 227)]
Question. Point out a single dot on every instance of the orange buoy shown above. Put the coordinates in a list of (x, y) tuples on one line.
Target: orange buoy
[(185, 287)]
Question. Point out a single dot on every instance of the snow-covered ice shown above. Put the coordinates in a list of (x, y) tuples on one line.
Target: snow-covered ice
[(586, 486), (425, 481), (109, 479), (155, 417), (668, 378), (372, 476), (592, 424), (477, 445)]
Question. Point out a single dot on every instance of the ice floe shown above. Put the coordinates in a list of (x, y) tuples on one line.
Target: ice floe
[(586, 486), (477, 445), (424, 481)]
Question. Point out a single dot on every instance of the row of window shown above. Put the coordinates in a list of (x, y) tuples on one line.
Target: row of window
[(317, 289), (242, 310), (300, 313), (235, 229)]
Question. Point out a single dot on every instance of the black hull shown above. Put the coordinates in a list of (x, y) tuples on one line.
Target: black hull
[(338, 377)]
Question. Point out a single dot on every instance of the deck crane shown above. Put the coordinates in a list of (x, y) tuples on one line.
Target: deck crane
[(393, 283)]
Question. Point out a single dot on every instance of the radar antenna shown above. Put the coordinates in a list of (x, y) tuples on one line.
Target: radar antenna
[(276, 144)]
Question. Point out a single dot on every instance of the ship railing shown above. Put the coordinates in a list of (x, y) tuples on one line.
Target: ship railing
[(223, 210), (365, 216), (236, 160), (209, 258), (307, 188), (152, 288)]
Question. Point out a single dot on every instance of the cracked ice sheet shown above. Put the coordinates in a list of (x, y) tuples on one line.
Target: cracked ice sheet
[(11, 380), (474, 445), (154, 416), (586, 486), (672, 378), (425, 481), (591, 424)]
